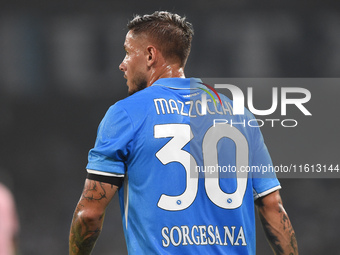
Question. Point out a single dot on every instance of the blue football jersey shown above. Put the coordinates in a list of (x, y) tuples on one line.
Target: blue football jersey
[(191, 168)]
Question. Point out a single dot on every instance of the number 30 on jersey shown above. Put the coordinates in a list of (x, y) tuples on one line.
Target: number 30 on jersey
[(180, 135)]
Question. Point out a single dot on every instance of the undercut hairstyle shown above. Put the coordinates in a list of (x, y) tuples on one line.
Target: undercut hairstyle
[(171, 33)]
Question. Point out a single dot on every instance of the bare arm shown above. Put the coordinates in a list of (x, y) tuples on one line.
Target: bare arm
[(276, 224), (89, 216)]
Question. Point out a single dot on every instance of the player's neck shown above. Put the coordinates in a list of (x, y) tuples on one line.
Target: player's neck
[(168, 71)]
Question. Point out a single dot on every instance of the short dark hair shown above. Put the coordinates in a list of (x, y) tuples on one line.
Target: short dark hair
[(171, 33)]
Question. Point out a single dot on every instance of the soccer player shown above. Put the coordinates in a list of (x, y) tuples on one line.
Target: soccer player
[(181, 177)]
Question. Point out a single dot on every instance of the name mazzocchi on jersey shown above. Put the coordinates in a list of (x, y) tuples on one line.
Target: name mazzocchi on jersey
[(189, 108), (203, 235)]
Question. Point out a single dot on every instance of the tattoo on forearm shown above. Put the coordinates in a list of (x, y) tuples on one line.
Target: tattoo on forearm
[(287, 230), (84, 234), (272, 238), (83, 237), (287, 226)]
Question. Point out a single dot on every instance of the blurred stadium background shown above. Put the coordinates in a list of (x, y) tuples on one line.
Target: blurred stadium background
[(59, 74)]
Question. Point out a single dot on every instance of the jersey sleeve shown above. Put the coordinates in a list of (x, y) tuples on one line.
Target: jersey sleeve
[(263, 174), (113, 144)]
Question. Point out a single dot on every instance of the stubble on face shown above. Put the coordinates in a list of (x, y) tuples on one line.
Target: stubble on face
[(139, 83)]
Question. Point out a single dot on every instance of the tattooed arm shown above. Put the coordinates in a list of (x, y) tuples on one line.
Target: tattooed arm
[(276, 224), (89, 216)]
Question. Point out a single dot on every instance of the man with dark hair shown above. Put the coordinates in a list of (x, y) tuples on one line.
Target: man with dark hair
[(171, 33), (163, 35), (163, 154)]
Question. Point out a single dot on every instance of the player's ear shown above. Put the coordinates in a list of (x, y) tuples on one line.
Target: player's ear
[(151, 55)]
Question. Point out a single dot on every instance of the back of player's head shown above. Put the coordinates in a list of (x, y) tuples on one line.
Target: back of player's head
[(171, 33)]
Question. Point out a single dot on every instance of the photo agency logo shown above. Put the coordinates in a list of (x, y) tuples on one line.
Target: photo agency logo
[(295, 96), (204, 97)]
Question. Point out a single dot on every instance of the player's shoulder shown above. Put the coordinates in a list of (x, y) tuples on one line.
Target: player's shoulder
[(246, 113)]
